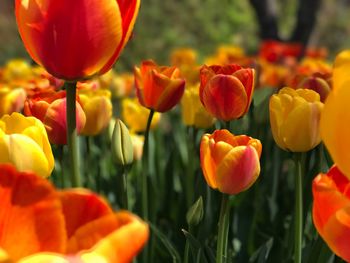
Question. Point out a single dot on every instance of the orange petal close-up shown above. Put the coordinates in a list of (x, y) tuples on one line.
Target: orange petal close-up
[(73, 225)]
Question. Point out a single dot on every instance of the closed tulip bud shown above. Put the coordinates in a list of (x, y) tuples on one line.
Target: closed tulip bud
[(294, 118), (226, 91), (97, 106), (195, 213), (158, 88), (136, 116), (75, 39), (122, 147), (24, 143), (230, 163), (193, 112), (330, 212)]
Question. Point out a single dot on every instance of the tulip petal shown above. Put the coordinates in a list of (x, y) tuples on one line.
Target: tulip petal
[(207, 162), (238, 170), (80, 207), (335, 127), (30, 214), (341, 70), (246, 76)]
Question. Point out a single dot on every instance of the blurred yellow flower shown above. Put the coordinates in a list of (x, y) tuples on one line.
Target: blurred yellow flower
[(135, 115), (335, 120), (294, 118), (17, 69), (24, 143), (11, 100), (97, 106), (183, 56), (193, 112)]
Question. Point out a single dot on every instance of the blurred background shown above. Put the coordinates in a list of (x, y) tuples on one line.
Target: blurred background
[(202, 25)]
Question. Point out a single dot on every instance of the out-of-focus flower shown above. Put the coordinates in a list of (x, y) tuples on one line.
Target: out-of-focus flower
[(331, 210), (50, 108), (158, 87), (122, 147), (272, 75), (277, 51), (122, 85), (85, 43), (226, 91), (316, 52), (228, 54), (97, 106), (135, 115), (24, 143), (68, 226), (17, 70), (335, 118), (316, 84), (11, 100), (193, 112), (183, 56), (230, 163), (294, 118), (137, 142)]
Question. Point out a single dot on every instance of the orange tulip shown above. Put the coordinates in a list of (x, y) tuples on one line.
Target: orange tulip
[(75, 39), (230, 163), (226, 91), (40, 224), (331, 210), (158, 87), (50, 108)]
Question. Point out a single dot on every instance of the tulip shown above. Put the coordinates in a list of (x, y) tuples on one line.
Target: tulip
[(97, 106), (183, 57), (230, 163), (17, 70), (331, 210), (50, 108), (193, 112), (316, 84), (75, 40), (24, 143), (226, 91), (158, 88), (135, 116), (11, 100), (74, 225), (294, 118), (122, 148)]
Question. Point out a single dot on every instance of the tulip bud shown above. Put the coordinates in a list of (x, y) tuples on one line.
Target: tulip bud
[(195, 213), (122, 147)]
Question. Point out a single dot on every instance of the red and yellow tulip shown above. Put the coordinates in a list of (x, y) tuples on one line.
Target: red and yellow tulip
[(226, 91), (230, 163), (75, 40)]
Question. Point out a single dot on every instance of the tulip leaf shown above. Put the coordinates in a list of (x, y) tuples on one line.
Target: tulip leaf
[(319, 252), (262, 253), (167, 243)]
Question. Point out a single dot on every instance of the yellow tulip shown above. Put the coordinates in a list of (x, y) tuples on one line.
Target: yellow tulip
[(24, 143), (97, 106), (193, 112), (135, 115), (294, 118), (341, 69), (17, 69)]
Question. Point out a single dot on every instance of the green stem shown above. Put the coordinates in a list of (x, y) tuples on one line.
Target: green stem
[(72, 134), (145, 159), (191, 141), (221, 252), (187, 246), (124, 197), (298, 232)]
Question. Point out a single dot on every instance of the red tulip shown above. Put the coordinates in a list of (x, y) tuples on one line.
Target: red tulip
[(75, 39), (331, 210), (226, 91), (158, 88)]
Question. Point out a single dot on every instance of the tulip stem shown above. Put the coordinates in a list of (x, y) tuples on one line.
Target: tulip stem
[(124, 190), (221, 252), (298, 222), (72, 139)]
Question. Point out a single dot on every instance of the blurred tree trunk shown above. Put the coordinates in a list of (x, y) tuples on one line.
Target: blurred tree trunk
[(266, 11)]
